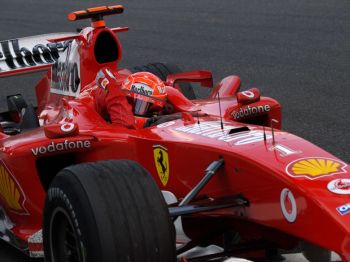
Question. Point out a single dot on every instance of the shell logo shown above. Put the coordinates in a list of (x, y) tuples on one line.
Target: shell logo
[(315, 167), (10, 192)]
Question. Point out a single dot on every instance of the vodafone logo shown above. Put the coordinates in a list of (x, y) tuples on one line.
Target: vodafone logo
[(67, 127), (288, 205), (248, 94), (65, 145), (249, 111), (339, 186)]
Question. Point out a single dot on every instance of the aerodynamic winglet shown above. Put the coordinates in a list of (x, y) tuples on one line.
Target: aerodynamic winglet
[(96, 14)]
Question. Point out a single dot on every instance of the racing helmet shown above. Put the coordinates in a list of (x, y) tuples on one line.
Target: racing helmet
[(146, 92)]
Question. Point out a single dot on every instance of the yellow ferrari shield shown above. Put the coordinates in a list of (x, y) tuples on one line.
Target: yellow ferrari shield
[(161, 161)]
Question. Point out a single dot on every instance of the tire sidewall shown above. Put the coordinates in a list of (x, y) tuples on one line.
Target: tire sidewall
[(78, 216), (116, 210)]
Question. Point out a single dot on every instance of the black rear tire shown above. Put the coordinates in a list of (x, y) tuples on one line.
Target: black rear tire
[(107, 211), (162, 70)]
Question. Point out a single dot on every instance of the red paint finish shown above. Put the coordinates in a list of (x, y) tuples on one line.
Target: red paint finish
[(257, 167)]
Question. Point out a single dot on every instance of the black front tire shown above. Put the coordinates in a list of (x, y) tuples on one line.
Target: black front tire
[(107, 211)]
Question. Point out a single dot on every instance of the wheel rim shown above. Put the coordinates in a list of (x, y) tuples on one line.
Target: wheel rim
[(64, 240)]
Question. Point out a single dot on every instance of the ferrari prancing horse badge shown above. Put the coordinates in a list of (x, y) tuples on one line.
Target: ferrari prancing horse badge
[(161, 161)]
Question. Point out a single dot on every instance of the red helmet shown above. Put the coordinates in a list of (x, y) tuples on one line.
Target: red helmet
[(147, 92)]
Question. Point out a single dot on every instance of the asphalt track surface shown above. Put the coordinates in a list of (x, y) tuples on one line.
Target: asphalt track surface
[(296, 51)]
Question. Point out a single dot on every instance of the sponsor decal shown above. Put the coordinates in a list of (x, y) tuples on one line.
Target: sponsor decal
[(21, 53), (65, 78), (315, 167), (161, 161), (344, 209), (35, 244), (10, 191), (213, 130), (67, 127), (61, 146), (110, 73), (248, 94), (142, 89), (249, 111), (284, 151), (161, 89), (340, 186), (288, 205), (166, 124), (104, 83)]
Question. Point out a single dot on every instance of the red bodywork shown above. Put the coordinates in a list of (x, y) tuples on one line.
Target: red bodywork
[(284, 178)]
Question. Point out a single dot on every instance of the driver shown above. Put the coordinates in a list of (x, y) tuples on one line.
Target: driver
[(111, 101), (141, 94), (146, 92)]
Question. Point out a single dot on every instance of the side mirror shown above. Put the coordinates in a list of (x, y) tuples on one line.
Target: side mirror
[(205, 78)]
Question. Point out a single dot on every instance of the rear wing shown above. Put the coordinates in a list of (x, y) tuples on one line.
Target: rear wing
[(31, 54)]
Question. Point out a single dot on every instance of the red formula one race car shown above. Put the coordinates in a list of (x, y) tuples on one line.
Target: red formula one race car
[(74, 187)]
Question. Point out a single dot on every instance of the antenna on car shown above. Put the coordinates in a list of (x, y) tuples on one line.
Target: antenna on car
[(221, 122), (273, 133), (264, 134), (198, 117)]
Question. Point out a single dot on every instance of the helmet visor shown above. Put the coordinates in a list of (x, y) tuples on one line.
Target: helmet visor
[(141, 107)]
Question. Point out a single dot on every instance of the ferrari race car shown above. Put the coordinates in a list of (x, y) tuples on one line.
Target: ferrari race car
[(73, 187)]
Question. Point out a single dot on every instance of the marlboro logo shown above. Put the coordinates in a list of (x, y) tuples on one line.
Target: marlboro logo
[(26, 56)]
